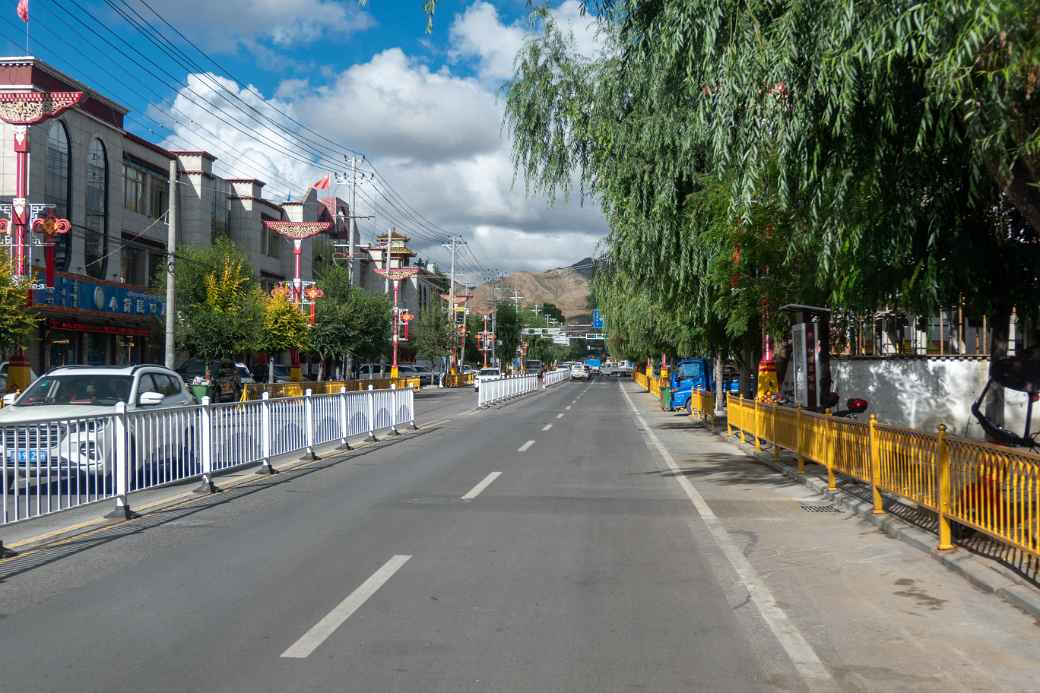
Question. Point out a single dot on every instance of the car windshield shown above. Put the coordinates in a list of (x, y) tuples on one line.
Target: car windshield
[(488, 371), (691, 370), (96, 390)]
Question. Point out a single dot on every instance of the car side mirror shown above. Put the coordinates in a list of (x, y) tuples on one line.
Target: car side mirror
[(150, 399)]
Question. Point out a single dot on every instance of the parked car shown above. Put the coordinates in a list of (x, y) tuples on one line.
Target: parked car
[(225, 379), (244, 374), (281, 373), (579, 371), (427, 377), (486, 375), (85, 445)]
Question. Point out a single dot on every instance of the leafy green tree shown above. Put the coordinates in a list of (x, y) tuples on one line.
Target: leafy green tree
[(349, 323), (284, 329), (228, 318), (507, 332), (17, 325), (432, 333), (859, 153)]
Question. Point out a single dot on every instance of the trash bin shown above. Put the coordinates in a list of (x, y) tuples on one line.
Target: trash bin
[(200, 391), (666, 397)]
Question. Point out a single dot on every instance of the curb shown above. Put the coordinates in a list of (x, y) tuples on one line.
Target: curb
[(981, 573)]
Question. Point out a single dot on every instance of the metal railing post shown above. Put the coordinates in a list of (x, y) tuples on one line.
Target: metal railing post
[(799, 439), (308, 418), (942, 450), (344, 421), (776, 446), (729, 419), (832, 482), (757, 432), (371, 415), (207, 485), (266, 435), (121, 472), (410, 397), (393, 410), (875, 468)]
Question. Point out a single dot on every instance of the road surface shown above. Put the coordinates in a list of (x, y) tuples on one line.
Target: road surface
[(545, 546)]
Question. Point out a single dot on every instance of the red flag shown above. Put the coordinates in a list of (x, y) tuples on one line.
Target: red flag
[(322, 184), (23, 10)]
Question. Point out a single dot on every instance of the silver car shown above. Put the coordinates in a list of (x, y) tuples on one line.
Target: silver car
[(63, 423)]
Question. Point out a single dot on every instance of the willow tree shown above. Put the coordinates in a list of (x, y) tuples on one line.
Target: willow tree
[(894, 143)]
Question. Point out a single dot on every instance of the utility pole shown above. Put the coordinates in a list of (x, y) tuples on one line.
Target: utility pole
[(386, 258), (171, 248), (352, 222)]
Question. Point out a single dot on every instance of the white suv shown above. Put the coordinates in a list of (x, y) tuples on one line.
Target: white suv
[(61, 421), (485, 375)]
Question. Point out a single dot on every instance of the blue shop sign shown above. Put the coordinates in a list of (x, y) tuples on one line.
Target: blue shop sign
[(81, 293)]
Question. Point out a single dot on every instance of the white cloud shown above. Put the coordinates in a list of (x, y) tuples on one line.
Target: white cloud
[(479, 35), (435, 135), (226, 24)]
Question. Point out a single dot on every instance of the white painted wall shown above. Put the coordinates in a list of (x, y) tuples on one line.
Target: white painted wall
[(922, 393)]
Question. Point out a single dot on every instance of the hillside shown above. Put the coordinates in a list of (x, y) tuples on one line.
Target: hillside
[(567, 287)]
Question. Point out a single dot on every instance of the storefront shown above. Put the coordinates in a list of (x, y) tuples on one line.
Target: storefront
[(89, 321)]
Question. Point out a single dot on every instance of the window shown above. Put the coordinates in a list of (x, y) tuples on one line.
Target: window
[(220, 209), (58, 186), (271, 244), (96, 222), (133, 265), (159, 197), (148, 384), (135, 189)]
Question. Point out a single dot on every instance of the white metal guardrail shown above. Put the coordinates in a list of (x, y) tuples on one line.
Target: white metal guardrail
[(493, 391), (557, 376), (56, 464)]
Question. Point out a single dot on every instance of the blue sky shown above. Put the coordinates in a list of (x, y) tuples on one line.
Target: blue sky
[(425, 108)]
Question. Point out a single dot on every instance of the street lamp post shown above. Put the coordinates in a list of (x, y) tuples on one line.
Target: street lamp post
[(297, 232), (395, 275), (23, 109)]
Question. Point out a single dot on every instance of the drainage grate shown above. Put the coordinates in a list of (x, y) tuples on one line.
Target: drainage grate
[(819, 508)]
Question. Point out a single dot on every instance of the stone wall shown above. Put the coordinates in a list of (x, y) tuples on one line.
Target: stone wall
[(921, 393)]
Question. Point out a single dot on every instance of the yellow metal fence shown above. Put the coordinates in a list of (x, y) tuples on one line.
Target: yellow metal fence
[(991, 489), (325, 387), (641, 380), (459, 379)]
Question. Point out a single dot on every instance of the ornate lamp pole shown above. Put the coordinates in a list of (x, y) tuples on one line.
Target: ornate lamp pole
[(22, 109), (297, 231), (396, 274), (312, 293)]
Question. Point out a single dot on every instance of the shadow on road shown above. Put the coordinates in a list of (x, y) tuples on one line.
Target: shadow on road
[(96, 537)]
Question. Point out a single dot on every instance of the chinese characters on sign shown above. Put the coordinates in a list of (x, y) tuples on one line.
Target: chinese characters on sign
[(81, 293)]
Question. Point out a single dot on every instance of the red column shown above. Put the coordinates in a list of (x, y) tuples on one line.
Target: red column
[(297, 282), (395, 322), (21, 191)]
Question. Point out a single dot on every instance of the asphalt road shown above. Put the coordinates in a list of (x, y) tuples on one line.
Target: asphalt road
[(536, 547)]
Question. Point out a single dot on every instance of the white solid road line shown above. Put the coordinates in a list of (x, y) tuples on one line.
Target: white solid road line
[(321, 630), (479, 488), (560, 415), (546, 427), (525, 447), (802, 655)]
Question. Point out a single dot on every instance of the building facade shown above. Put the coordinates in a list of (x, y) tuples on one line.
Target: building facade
[(114, 187)]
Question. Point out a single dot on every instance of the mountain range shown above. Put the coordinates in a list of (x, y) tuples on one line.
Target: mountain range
[(566, 287)]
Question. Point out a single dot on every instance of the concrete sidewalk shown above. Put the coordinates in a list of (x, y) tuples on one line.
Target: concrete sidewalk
[(845, 584)]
